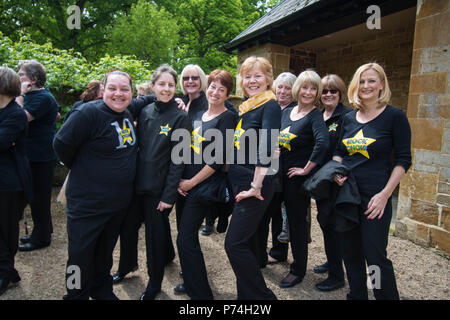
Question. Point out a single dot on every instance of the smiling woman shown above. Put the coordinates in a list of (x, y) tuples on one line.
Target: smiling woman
[(98, 143), (157, 176)]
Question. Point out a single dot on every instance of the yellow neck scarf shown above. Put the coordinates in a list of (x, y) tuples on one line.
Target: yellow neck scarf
[(256, 101)]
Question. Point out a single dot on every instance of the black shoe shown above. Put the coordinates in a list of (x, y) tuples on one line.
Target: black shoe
[(290, 280), (322, 268), (119, 276), (30, 246), (179, 289), (330, 284), (148, 295), (207, 230), (4, 283), (25, 239)]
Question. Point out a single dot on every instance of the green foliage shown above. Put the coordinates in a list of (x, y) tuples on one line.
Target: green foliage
[(148, 33), (68, 72)]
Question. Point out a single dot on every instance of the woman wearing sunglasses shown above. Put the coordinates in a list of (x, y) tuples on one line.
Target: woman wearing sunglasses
[(333, 111)]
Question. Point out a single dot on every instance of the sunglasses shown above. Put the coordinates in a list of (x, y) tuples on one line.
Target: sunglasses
[(332, 91), (193, 78)]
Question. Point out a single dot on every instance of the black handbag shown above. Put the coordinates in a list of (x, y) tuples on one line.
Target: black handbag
[(214, 189)]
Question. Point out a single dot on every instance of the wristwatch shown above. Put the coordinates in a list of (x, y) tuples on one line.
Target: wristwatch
[(255, 187)]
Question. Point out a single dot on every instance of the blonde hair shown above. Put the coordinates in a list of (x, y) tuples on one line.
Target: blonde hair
[(144, 87), (255, 62), (333, 81), (308, 77), (353, 88), (195, 68)]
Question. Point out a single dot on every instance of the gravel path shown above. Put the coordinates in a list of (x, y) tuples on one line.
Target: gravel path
[(422, 273)]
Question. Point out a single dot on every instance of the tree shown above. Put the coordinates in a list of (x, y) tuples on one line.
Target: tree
[(46, 20), (147, 32)]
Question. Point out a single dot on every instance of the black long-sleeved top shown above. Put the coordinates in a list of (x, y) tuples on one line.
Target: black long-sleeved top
[(157, 175), (302, 140), (367, 148), (43, 107), (253, 145), (13, 130), (99, 145), (334, 126), (202, 138)]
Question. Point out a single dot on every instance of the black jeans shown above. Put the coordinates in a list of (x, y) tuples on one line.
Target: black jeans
[(158, 240), (273, 213), (191, 257), (129, 233), (241, 245), (368, 243), (297, 204), (92, 238), (332, 248), (42, 173), (10, 205)]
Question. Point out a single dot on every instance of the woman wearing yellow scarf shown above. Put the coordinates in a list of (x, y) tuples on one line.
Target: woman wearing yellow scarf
[(259, 115)]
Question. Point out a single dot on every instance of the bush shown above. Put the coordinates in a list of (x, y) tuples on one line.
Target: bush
[(68, 72)]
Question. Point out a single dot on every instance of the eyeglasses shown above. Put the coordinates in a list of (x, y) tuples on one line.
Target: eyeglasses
[(332, 91), (193, 78)]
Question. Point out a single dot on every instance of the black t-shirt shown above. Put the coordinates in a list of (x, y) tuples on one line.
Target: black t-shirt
[(367, 148), (253, 146), (43, 107), (334, 126), (302, 140), (100, 147), (13, 129), (201, 139)]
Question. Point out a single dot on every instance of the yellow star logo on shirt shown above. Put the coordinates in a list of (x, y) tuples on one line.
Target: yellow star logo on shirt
[(238, 132), (126, 134), (358, 143), (165, 129), (285, 137), (333, 127), (196, 140)]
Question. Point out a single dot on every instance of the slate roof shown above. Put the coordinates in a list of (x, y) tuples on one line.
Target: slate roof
[(282, 10)]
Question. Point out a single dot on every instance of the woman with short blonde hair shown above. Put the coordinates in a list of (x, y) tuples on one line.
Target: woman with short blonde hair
[(252, 63), (308, 77)]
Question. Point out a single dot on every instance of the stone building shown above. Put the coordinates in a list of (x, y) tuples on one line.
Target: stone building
[(411, 40)]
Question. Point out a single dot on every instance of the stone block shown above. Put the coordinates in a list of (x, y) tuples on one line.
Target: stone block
[(419, 186), (429, 83), (427, 8), (406, 229), (403, 206), (424, 212), (427, 134), (445, 218), (446, 146), (413, 106), (440, 239), (444, 187), (444, 176), (422, 235), (425, 34), (443, 199)]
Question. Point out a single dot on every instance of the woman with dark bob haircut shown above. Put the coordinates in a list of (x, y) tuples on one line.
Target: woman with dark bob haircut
[(216, 117), (14, 169)]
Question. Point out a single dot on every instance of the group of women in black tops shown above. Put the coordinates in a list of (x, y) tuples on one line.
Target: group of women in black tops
[(124, 159)]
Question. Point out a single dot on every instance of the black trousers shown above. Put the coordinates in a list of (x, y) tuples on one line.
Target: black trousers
[(297, 205), (332, 249), (273, 213), (129, 234), (159, 246), (92, 238), (10, 206), (42, 174), (241, 245), (191, 257), (367, 244)]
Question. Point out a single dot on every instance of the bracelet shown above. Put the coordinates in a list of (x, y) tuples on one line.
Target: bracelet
[(255, 187)]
